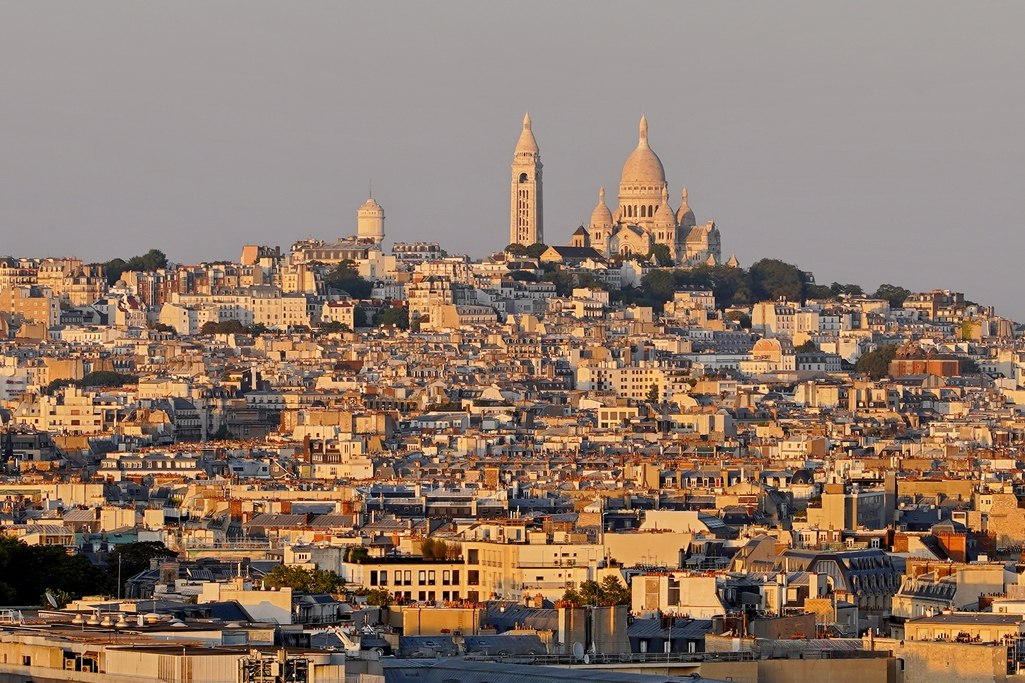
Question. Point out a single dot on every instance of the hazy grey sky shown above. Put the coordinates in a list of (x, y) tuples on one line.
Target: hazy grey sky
[(866, 141)]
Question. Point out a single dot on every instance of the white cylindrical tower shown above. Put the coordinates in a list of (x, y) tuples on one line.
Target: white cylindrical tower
[(370, 221)]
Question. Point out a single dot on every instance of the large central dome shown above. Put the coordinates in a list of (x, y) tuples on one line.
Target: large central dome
[(643, 167)]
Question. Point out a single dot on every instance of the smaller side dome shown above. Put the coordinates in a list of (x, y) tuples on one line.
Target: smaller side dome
[(684, 215), (664, 217), (601, 216)]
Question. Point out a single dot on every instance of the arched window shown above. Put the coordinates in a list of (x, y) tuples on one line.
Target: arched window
[(523, 177)]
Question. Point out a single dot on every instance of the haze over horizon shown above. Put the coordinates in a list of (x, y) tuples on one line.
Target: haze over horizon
[(869, 142)]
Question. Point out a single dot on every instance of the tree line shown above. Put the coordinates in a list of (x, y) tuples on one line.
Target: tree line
[(152, 260), (29, 572), (765, 280)]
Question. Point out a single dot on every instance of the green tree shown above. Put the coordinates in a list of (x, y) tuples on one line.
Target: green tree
[(572, 596), (731, 286), (358, 554), (613, 592), (27, 571), (772, 279), (378, 597), (152, 260), (523, 276), (807, 347), (516, 249), (333, 326), (653, 393), (893, 294), (743, 319), (163, 327), (106, 378), (610, 591), (346, 278), (359, 317), (113, 270), (813, 291), (396, 315), (302, 580), (851, 290), (876, 363), (662, 256), (590, 592), (563, 280), (212, 327), (131, 558), (61, 597), (659, 285), (99, 378), (535, 250)]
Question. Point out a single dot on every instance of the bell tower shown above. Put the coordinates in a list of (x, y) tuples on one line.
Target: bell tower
[(526, 225)]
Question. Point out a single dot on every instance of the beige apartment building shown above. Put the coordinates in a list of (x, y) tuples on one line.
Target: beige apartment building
[(187, 313), (73, 411), (33, 304)]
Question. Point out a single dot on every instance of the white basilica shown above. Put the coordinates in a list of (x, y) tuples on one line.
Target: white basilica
[(644, 218)]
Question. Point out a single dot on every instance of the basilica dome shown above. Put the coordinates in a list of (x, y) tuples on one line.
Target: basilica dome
[(643, 167)]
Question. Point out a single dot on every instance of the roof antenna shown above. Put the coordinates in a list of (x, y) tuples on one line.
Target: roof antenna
[(371, 182)]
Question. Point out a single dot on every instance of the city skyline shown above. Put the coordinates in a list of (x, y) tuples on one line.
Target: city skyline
[(588, 340), (868, 145)]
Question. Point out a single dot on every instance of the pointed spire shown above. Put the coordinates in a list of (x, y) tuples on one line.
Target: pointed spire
[(684, 194), (665, 194), (643, 131), (601, 194), (526, 144)]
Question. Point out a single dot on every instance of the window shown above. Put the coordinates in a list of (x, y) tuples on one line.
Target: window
[(422, 576), (407, 576), (473, 577), (432, 577)]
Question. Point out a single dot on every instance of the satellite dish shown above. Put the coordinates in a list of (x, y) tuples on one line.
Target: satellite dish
[(51, 599), (578, 651), (587, 659)]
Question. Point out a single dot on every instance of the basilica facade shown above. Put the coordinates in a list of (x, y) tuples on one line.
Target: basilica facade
[(643, 217)]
